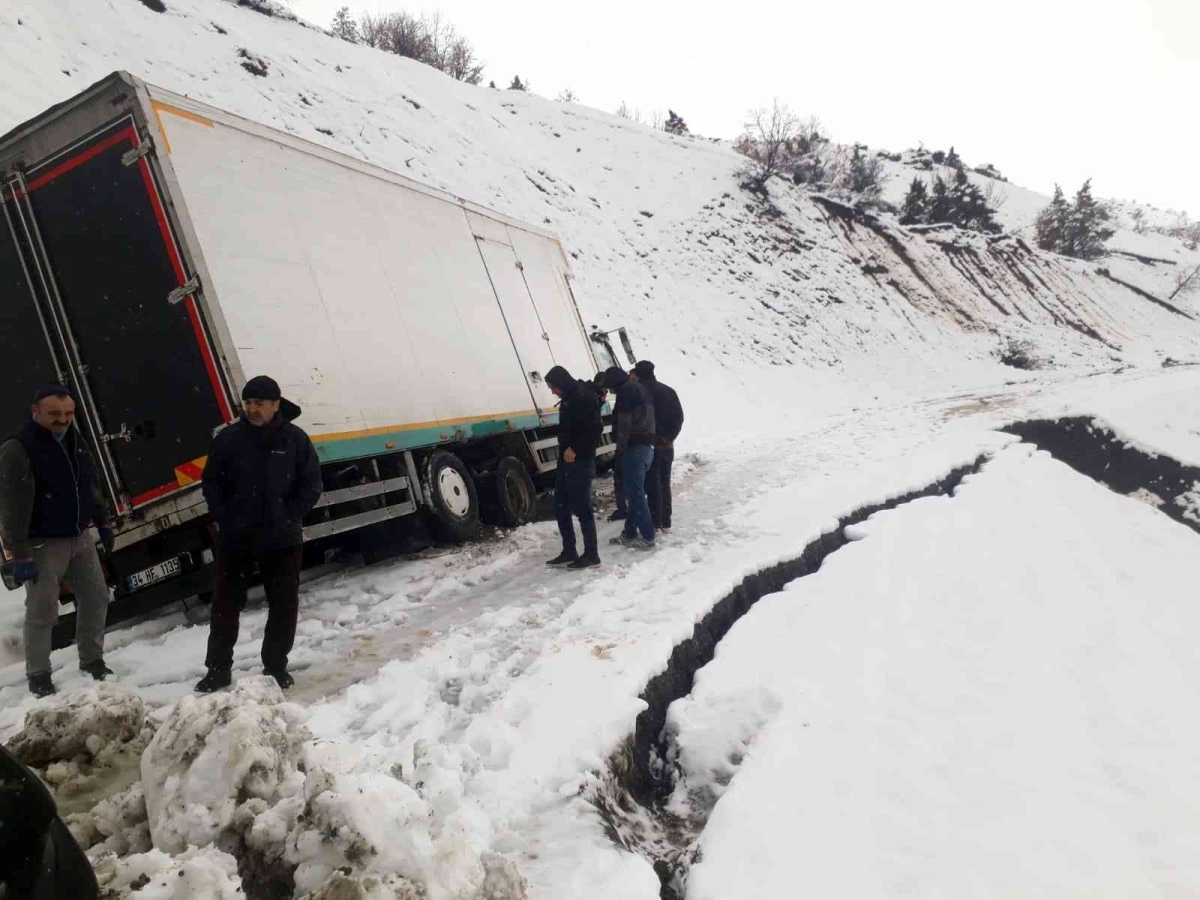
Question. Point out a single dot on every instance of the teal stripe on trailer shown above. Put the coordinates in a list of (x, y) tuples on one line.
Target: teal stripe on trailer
[(397, 441)]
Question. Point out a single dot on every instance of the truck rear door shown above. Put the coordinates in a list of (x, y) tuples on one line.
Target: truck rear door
[(134, 338)]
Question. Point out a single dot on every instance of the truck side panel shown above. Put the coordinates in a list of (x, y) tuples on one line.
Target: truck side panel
[(367, 300)]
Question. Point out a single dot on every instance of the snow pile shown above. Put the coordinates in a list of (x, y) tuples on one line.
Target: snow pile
[(218, 761), (982, 694), (118, 824), (79, 740), (196, 874), (363, 815)]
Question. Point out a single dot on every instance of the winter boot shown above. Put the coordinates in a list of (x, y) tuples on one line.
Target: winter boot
[(618, 516), (98, 670), (41, 685), (214, 680), (587, 561), (562, 559), (282, 677)]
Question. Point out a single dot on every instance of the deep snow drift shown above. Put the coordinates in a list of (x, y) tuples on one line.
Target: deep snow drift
[(979, 696)]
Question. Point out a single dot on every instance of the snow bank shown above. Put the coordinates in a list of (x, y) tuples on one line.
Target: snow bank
[(196, 874), (981, 696), (89, 723), (218, 761)]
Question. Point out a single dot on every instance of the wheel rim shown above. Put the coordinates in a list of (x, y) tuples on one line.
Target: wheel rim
[(452, 488), (518, 496)]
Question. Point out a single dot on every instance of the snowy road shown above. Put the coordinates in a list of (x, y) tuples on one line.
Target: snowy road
[(495, 686)]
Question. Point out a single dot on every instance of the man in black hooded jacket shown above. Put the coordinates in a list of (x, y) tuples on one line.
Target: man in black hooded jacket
[(579, 429), (261, 479), (668, 422)]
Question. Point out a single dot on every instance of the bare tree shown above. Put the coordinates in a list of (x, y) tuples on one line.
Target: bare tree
[(769, 132), (657, 119), (566, 95), (430, 39), (626, 112), (1186, 283)]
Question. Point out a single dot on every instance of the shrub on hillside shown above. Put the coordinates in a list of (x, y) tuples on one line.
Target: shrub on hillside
[(1079, 230), (958, 202), (675, 123), (344, 26)]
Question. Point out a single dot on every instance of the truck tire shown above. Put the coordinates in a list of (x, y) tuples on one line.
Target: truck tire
[(454, 509), (513, 494)]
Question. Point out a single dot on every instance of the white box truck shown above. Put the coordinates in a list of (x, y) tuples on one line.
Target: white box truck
[(156, 252)]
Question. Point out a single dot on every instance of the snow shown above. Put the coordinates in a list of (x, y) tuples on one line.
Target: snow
[(453, 711), (195, 874), (219, 759), (973, 698)]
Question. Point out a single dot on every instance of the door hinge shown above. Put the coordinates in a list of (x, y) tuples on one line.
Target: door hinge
[(123, 435), (129, 157), (185, 290)]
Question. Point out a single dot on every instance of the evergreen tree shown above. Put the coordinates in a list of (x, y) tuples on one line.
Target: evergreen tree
[(492, 85), (1087, 228), (675, 123), (960, 199), (518, 85), (344, 26), (1050, 227), (940, 203), (953, 160), (916, 204), (864, 175)]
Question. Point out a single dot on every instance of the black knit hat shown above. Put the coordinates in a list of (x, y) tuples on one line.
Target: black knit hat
[(261, 388), (615, 377), (51, 390), (644, 369)]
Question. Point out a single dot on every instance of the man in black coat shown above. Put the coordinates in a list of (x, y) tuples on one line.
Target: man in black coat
[(261, 479), (633, 431), (579, 431), (668, 422), (620, 513)]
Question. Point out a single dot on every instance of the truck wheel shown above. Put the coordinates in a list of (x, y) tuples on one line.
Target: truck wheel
[(455, 504), (515, 495)]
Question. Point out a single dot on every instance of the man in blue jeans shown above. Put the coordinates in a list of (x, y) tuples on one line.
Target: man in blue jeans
[(633, 426), (579, 430)]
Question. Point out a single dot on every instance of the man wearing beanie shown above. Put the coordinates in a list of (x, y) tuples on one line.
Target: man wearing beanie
[(633, 430), (668, 422), (261, 479), (49, 496), (579, 429)]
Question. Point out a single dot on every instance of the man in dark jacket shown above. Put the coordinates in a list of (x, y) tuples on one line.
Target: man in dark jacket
[(579, 430), (633, 427), (261, 479), (668, 422), (49, 496), (620, 513)]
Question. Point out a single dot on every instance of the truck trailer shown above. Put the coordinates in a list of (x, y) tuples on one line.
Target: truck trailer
[(155, 253)]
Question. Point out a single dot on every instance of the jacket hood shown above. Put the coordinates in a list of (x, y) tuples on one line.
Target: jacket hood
[(288, 410), (560, 378), (614, 377)]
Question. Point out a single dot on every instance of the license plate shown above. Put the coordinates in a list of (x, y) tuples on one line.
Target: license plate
[(149, 576)]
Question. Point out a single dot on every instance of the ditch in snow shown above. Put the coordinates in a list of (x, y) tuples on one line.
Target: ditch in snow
[(631, 796)]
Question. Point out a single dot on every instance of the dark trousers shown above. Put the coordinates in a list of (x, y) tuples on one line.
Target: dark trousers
[(658, 486), (573, 497), (281, 579)]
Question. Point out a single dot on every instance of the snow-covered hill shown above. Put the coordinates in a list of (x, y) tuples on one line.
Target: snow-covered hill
[(713, 281)]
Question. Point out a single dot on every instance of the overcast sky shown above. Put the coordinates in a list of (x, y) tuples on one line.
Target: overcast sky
[(1047, 90)]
